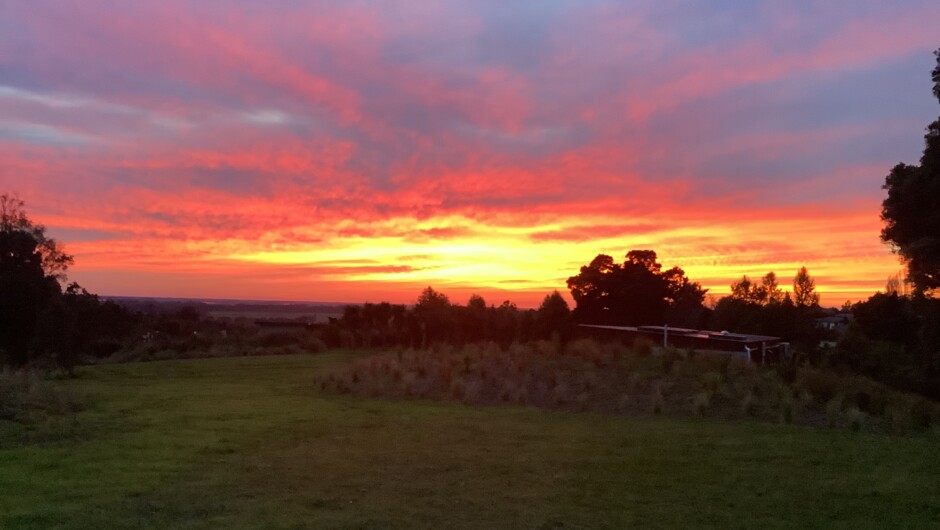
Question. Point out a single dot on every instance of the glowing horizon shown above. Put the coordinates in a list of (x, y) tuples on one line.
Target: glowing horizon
[(348, 152)]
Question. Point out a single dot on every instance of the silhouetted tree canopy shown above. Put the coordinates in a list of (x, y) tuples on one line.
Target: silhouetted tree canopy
[(763, 293), (24, 237), (38, 321), (435, 316), (634, 292), (936, 76), (895, 339), (553, 316), (911, 211), (804, 289), (31, 265)]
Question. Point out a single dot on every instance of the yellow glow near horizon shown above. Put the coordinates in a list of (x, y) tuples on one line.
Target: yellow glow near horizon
[(507, 258)]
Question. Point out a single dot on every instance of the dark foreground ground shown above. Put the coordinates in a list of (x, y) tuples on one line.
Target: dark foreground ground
[(249, 443)]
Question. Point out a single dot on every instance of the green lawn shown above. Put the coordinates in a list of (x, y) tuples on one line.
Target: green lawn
[(248, 443)]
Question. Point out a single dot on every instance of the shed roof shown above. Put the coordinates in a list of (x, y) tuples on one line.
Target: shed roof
[(722, 336)]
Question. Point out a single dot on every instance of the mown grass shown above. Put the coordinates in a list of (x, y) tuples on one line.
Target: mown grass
[(249, 443)]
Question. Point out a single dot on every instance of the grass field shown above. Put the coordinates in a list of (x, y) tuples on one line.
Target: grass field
[(249, 443)]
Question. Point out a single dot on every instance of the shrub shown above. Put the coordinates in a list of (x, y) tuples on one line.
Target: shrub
[(718, 362), (643, 346), (781, 392), (920, 416), (823, 385), (658, 403), (314, 345), (582, 400), (856, 419), (524, 376), (624, 402), (546, 348), (103, 348), (712, 383), (670, 357), (560, 394), (277, 338), (457, 389), (834, 411), (24, 396), (748, 404), (787, 409), (803, 400), (633, 382), (787, 372), (701, 403), (409, 382), (508, 392), (584, 348)]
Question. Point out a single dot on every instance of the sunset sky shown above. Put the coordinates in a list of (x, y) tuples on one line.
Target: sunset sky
[(353, 151)]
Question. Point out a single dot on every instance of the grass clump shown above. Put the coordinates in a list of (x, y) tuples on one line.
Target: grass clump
[(701, 403), (25, 397), (834, 411), (584, 375)]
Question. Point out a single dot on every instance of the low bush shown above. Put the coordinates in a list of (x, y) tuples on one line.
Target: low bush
[(834, 411), (25, 396), (583, 375), (643, 346), (701, 403)]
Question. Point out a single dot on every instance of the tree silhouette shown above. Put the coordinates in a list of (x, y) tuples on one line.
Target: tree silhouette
[(911, 211), (635, 292), (473, 320), (553, 316), (936, 76), (435, 316), (31, 266), (804, 289), (766, 292), (16, 224)]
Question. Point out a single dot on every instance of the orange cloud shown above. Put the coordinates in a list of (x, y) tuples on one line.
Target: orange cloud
[(341, 151)]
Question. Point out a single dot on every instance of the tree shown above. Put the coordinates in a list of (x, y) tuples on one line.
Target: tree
[(434, 313), (472, 320), (936, 76), (804, 289), (552, 316), (897, 284), (767, 292), (743, 290), (911, 211), (31, 267), (15, 224), (772, 292), (431, 299), (748, 291), (634, 292)]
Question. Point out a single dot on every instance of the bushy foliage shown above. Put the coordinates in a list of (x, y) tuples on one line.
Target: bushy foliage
[(606, 377), (24, 396), (911, 210), (635, 292), (40, 323), (435, 320), (895, 339)]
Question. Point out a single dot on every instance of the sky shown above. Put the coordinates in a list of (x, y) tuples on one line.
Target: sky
[(354, 151)]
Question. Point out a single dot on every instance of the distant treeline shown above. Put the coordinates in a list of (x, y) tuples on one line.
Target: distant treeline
[(895, 337), (890, 337), (435, 319), (632, 293)]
